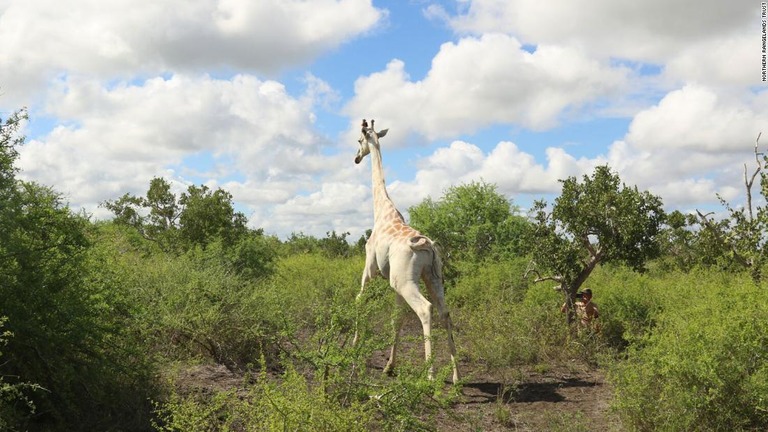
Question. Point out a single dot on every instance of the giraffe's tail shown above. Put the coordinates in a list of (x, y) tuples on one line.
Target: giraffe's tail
[(420, 242), (424, 243), (437, 262)]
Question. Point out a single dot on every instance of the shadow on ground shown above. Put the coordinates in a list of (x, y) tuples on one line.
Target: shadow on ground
[(490, 392)]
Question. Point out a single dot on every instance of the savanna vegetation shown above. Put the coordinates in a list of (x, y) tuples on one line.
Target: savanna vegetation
[(99, 319)]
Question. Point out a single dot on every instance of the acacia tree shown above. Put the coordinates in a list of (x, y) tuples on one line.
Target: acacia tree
[(595, 221), (208, 214), (155, 216)]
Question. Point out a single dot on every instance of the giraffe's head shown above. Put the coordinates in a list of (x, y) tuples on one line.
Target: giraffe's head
[(368, 137)]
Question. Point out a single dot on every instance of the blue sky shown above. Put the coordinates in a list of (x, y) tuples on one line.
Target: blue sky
[(263, 99)]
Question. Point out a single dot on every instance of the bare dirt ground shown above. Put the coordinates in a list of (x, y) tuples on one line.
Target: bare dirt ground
[(565, 398)]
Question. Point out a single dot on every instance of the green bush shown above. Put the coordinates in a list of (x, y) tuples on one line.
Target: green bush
[(195, 305), (703, 367), (327, 383), (15, 405), (500, 320), (628, 305), (290, 403), (67, 310), (304, 283)]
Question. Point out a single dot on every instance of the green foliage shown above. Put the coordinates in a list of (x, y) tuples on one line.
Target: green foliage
[(336, 245), (337, 392), (97, 311), (685, 247), (501, 321), (333, 245), (253, 257), (195, 305), (471, 222), (209, 215), (703, 367), (155, 217), (9, 141), (309, 283), (739, 241), (291, 403), (569, 422), (629, 308), (300, 243), (15, 405)]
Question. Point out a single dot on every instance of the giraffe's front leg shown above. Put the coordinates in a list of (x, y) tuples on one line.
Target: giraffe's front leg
[(368, 272)]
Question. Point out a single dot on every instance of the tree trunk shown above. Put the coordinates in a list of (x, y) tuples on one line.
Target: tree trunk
[(571, 290)]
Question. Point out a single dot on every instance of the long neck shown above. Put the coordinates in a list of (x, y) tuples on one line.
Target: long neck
[(381, 201)]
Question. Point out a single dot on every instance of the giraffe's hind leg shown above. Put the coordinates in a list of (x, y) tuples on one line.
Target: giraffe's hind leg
[(437, 294), (398, 318), (409, 290)]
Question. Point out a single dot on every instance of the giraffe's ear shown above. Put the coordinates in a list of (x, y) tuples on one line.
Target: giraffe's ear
[(382, 133)]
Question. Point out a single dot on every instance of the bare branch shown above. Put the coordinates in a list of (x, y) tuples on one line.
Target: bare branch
[(557, 279), (720, 238), (749, 182), (587, 244), (539, 278)]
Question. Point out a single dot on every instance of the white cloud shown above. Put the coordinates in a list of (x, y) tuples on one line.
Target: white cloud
[(477, 82), (513, 171), (119, 138), (136, 92), (693, 144), (333, 204), (682, 177), (120, 38), (698, 118), (650, 30), (713, 41)]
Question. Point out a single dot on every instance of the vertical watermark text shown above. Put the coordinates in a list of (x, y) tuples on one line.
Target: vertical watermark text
[(763, 21)]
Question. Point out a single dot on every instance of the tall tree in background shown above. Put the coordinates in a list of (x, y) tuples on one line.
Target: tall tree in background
[(155, 216), (598, 220), (9, 141), (207, 215), (742, 235), (198, 217)]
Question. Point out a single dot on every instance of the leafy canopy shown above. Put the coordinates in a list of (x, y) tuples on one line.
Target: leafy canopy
[(597, 220)]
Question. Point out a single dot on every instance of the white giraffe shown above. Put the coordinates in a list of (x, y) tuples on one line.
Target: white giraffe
[(402, 255)]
